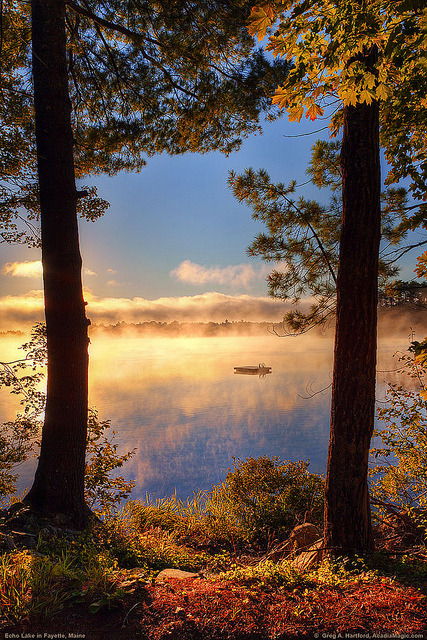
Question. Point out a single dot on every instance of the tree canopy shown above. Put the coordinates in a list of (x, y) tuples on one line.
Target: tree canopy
[(357, 51), (144, 78)]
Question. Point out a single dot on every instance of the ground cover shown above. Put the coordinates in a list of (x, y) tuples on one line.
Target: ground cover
[(106, 583)]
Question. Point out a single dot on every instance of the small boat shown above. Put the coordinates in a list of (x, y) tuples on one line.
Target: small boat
[(258, 370)]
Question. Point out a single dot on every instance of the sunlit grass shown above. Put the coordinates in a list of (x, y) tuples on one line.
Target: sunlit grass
[(57, 573)]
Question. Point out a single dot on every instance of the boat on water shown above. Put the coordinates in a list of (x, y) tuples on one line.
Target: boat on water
[(253, 370)]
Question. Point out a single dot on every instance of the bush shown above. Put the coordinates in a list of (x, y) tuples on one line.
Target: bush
[(267, 497), (399, 478)]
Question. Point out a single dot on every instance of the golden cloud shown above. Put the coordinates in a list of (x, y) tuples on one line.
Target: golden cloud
[(23, 269), (213, 306)]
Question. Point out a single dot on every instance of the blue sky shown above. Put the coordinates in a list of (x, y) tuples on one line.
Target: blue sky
[(180, 208), (175, 233)]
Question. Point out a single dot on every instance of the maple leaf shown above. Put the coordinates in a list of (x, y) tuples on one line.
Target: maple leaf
[(259, 21), (280, 98), (313, 111), (366, 96), (295, 113), (382, 92)]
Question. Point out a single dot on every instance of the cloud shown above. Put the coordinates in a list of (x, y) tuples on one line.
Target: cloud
[(113, 283), (212, 306), (111, 270), (30, 269), (241, 275), (16, 311), (23, 269)]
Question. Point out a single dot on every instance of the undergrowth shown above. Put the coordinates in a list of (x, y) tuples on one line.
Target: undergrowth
[(35, 583), (260, 502), (331, 573)]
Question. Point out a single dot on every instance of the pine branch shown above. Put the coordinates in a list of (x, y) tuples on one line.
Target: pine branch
[(133, 35), (405, 250), (319, 242)]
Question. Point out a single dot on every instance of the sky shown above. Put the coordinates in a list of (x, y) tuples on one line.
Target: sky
[(172, 245)]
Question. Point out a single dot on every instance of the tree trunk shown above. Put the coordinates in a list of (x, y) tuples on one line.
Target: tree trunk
[(347, 510), (59, 481)]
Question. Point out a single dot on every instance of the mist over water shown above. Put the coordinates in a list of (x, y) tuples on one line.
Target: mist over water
[(178, 401)]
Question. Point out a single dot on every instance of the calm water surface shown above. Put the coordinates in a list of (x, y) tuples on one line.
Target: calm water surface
[(179, 403)]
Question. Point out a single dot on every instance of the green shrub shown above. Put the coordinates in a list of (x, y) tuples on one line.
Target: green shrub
[(266, 497), (148, 547)]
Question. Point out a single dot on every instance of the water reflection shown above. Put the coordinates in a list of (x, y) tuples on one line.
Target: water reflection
[(179, 403)]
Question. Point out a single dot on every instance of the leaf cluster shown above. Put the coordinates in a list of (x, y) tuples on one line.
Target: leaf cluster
[(345, 53)]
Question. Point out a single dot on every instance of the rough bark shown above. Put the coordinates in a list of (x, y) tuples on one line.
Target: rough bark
[(347, 510), (59, 481)]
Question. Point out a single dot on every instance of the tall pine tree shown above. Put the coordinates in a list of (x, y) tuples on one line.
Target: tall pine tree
[(113, 83), (346, 50)]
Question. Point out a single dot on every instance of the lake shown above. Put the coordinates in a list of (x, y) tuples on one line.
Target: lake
[(178, 401)]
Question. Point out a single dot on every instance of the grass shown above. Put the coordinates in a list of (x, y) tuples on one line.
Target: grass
[(102, 583), (112, 568), (42, 582)]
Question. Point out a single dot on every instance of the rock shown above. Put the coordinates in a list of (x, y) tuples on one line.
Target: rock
[(304, 535), (308, 558), (301, 537), (175, 574), (7, 542)]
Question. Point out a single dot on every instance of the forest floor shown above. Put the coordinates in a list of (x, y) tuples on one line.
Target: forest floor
[(196, 609), (110, 583), (326, 603)]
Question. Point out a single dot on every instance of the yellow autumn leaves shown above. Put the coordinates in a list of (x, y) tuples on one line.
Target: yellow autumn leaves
[(338, 48), (260, 19)]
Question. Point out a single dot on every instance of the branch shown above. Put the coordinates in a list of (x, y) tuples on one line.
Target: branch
[(111, 56), (134, 35), (319, 242), (395, 511), (408, 248)]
